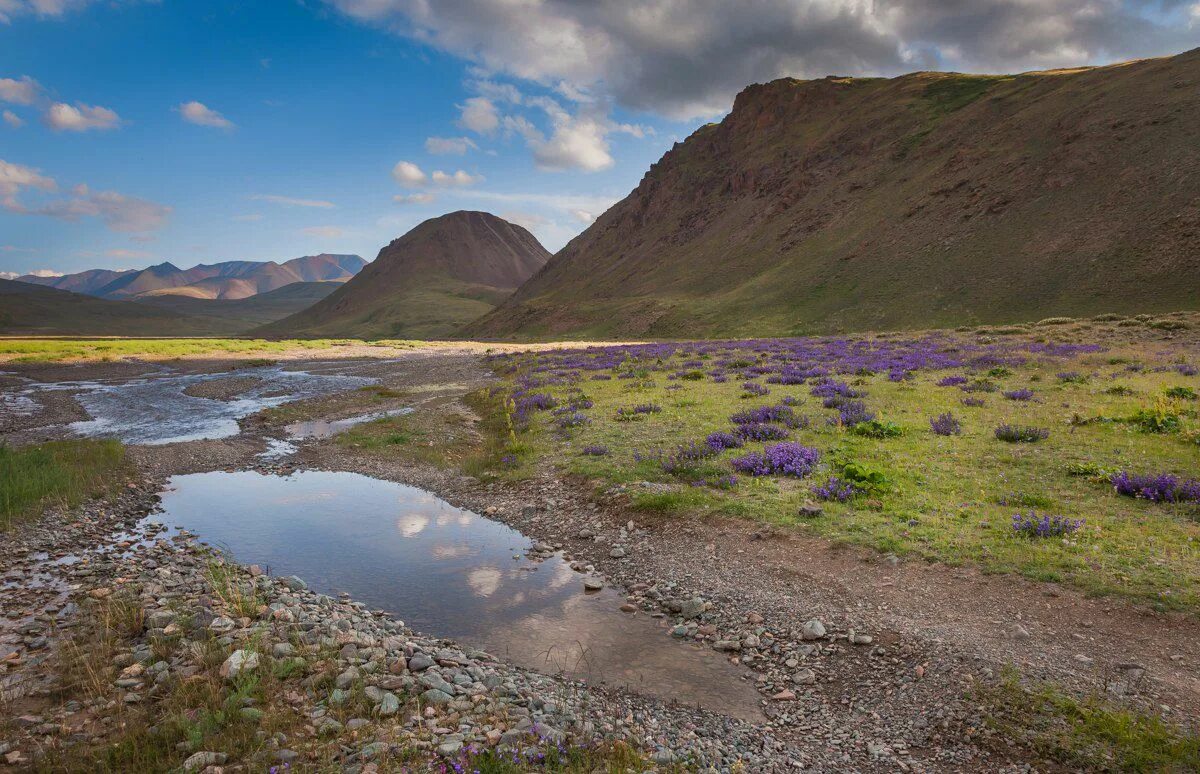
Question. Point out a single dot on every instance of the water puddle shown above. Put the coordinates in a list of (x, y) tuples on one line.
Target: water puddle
[(448, 572), (323, 428), (154, 409)]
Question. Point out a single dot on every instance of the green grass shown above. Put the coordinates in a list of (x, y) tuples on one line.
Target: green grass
[(56, 473), (946, 499), (954, 92), (49, 350), (1087, 732)]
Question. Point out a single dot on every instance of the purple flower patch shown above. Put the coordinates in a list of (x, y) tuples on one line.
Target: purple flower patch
[(945, 424), (783, 459), (1161, 488), (1021, 395), (722, 441), (1032, 525), (835, 490), (952, 381), (594, 451), (762, 431)]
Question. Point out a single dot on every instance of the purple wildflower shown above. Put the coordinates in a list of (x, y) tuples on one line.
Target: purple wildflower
[(721, 441), (754, 388), (1030, 525), (835, 489), (785, 459), (952, 381), (1022, 394), (762, 431), (1019, 434), (1161, 488), (973, 402), (594, 451), (945, 424)]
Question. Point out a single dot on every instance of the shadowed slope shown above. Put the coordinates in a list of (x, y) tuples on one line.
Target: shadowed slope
[(927, 200)]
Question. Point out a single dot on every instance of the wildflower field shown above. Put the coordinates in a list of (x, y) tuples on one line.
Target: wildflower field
[(1062, 452)]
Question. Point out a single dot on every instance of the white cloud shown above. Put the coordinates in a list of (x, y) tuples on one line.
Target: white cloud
[(200, 114), (12, 119), (248, 218), (576, 141), (43, 273), (410, 175), (293, 202), (688, 59), (23, 91), (447, 146), (416, 198), (458, 178), (583, 216), (129, 254), (9, 275), (479, 114), (80, 117), (118, 211), (323, 232)]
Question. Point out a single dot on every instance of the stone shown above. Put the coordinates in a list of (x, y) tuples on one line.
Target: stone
[(436, 697), (617, 552), (860, 639), (692, 608), (592, 584), (727, 645), (222, 625), (203, 759), (809, 511), (238, 662), (812, 630), (419, 662), (804, 677), (785, 695), (1019, 632), (389, 705), (294, 583)]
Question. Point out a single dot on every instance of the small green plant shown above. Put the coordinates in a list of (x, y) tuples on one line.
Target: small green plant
[(1159, 418), (864, 477), (1181, 393), (56, 473), (875, 428)]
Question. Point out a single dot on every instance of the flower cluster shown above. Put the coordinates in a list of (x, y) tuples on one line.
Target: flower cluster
[(1161, 488), (722, 441), (835, 490), (784, 459), (761, 431), (1019, 434), (1022, 394), (945, 424), (1031, 525), (754, 388), (594, 451)]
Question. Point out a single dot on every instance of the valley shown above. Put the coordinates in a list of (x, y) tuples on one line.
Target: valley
[(429, 548)]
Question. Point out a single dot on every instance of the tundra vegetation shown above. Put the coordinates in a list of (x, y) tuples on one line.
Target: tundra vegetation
[(1061, 460)]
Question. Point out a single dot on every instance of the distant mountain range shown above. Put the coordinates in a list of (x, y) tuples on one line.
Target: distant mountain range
[(229, 280), (932, 199), (428, 283)]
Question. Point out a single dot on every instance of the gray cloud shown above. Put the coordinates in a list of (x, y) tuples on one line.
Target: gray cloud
[(687, 58)]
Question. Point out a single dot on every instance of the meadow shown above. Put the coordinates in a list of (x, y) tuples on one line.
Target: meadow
[(48, 350), (1065, 451), (64, 473)]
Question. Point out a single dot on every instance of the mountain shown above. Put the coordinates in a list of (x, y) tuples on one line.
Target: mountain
[(241, 314), (227, 280), (931, 199), (426, 284), (35, 310)]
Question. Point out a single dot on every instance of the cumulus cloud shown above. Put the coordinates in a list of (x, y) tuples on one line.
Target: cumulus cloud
[(200, 114), (289, 201), (80, 117), (22, 91), (323, 232), (449, 146), (118, 211), (583, 216), (35, 273), (12, 119), (479, 114), (688, 59), (416, 198), (410, 175)]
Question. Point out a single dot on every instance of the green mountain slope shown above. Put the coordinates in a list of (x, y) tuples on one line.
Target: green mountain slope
[(931, 199)]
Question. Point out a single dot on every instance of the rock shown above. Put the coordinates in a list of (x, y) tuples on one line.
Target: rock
[(436, 697), (617, 552), (804, 677), (785, 695), (251, 713), (593, 584), (282, 649), (663, 757), (202, 760), (727, 645), (1019, 632), (419, 662), (860, 639), (450, 749), (809, 511), (238, 662), (347, 678), (294, 583), (222, 625), (389, 705), (692, 608), (812, 630)]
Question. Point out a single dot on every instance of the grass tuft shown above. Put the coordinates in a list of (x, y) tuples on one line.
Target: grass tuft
[(56, 473)]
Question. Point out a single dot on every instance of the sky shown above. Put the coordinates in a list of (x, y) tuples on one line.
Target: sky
[(194, 131)]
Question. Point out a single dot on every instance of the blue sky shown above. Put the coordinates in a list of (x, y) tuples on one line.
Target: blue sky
[(204, 130)]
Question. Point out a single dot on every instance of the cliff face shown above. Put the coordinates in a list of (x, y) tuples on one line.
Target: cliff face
[(428, 283), (929, 199)]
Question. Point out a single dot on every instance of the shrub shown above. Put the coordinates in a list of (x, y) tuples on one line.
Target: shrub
[(853, 413), (945, 424), (1021, 395), (952, 381), (1181, 393), (863, 477), (874, 428), (761, 431), (1161, 488), (594, 451), (755, 389), (974, 402), (1071, 377), (1160, 418), (1031, 525), (1020, 434)]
